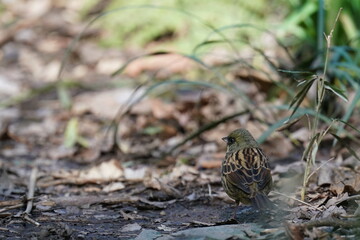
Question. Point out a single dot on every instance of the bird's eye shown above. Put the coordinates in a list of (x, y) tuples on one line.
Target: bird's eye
[(230, 140)]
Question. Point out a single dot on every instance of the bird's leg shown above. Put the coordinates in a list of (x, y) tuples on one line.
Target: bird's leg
[(236, 209)]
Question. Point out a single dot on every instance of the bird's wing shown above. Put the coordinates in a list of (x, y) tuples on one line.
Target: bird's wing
[(245, 167)]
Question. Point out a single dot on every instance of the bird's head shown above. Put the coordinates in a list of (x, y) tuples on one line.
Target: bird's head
[(240, 139)]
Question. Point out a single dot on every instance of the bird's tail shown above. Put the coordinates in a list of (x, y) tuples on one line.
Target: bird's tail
[(261, 201)]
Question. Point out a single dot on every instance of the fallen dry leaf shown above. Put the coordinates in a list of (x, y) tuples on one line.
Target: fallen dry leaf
[(104, 172), (135, 174), (336, 200), (161, 109), (165, 65), (210, 160), (325, 174), (104, 104), (112, 187), (334, 211)]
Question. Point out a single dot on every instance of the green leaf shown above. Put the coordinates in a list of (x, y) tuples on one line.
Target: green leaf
[(337, 91), (295, 72), (292, 23), (351, 151), (288, 123), (309, 148), (350, 66), (71, 133), (301, 83), (152, 130), (82, 141), (64, 96), (314, 151), (348, 124), (300, 112), (299, 97), (346, 77)]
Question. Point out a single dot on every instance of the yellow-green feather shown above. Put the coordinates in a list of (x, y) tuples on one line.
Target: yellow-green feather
[(243, 139)]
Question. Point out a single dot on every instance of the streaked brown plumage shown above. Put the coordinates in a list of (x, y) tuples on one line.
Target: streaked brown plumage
[(246, 175)]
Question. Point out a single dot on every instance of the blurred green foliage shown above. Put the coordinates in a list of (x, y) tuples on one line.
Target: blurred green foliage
[(327, 34), (308, 21), (180, 24), (186, 26), (348, 31)]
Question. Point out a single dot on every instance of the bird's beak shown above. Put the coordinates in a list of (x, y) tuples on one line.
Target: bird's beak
[(225, 139)]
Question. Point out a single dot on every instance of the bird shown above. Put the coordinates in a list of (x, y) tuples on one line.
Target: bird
[(245, 173)]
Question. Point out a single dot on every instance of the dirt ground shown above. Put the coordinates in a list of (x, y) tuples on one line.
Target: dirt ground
[(93, 216), (99, 143)]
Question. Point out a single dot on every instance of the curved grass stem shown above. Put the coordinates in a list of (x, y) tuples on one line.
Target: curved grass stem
[(312, 147)]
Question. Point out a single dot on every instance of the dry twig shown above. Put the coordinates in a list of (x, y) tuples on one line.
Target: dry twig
[(323, 164), (11, 207), (329, 221), (115, 199), (297, 200), (11, 202), (31, 190), (351, 198), (30, 197)]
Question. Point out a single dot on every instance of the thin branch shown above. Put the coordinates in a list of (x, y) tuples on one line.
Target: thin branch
[(31, 190), (26, 217), (296, 230), (297, 200), (11, 202), (11, 207), (351, 198), (30, 197), (308, 178), (333, 222)]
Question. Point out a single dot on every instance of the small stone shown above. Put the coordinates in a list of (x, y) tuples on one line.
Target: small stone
[(131, 227)]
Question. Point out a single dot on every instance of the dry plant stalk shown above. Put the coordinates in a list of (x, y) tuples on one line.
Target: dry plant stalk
[(316, 135), (30, 197)]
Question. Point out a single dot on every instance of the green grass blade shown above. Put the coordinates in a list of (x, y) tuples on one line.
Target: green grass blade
[(337, 91), (351, 151), (301, 95), (71, 133)]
